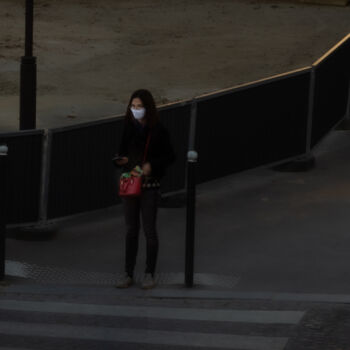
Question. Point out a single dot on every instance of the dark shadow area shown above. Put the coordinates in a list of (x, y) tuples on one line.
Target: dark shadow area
[(177, 200), (47, 232), (304, 163)]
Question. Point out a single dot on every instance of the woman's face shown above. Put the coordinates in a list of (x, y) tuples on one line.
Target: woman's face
[(136, 103)]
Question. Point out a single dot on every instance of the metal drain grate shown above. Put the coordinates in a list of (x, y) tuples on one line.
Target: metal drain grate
[(47, 274)]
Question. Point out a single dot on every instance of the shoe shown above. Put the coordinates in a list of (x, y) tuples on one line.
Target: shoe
[(125, 281), (148, 281)]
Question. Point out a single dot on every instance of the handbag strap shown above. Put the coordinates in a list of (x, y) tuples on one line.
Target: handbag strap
[(146, 148)]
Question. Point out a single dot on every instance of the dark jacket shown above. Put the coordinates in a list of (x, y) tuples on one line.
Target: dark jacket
[(160, 151)]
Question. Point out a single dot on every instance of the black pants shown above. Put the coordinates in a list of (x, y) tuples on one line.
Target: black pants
[(147, 205)]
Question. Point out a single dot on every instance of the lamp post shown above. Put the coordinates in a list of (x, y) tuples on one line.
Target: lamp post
[(27, 110)]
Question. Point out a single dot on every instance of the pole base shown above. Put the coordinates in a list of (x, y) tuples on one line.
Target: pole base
[(344, 124), (301, 164), (39, 232)]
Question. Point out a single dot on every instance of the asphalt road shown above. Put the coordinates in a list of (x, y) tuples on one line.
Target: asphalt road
[(62, 317)]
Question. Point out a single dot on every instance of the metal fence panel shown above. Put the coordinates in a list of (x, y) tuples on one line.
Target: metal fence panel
[(82, 176), (332, 76), (177, 121), (254, 126), (23, 173), (237, 129)]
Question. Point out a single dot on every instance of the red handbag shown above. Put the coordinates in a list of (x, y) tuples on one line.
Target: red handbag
[(132, 186)]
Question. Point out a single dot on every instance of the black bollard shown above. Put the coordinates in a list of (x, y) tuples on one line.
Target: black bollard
[(3, 170), (27, 108), (192, 158)]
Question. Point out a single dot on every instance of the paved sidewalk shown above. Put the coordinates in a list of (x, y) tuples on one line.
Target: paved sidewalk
[(260, 230)]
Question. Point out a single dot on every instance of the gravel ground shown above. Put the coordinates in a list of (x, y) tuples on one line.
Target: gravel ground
[(92, 55)]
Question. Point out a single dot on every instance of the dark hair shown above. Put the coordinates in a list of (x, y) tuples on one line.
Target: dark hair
[(147, 99)]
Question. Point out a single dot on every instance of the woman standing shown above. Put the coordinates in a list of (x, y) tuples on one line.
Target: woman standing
[(141, 126)]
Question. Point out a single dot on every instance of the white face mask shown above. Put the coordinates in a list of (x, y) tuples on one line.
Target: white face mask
[(138, 113)]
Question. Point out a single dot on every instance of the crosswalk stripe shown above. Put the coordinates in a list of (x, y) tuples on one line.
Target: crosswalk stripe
[(8, 348), (222, 341), (245, 316), (156, 293)]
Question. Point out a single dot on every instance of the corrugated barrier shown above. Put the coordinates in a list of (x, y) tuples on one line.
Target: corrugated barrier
[(81, 174), (23, 170), (331, 90), (256, 124), (65, 171), (80, 171)]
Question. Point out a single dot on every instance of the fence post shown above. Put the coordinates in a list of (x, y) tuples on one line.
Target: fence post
[(45, 176), (310, 111), (345, 123), (192, 158), (3, 203), (347, 116)]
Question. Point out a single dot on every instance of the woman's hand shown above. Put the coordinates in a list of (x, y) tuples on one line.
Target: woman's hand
[(122, 161), (146, 168)]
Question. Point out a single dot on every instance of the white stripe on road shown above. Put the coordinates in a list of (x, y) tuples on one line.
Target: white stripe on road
[(245, 316), (141, 336), (7, 348), (176, 293)]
